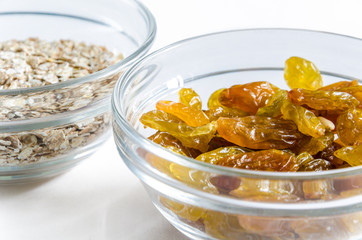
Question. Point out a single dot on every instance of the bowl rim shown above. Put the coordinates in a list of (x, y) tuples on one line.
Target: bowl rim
[(106, 72), (66, 117), (136, 137)]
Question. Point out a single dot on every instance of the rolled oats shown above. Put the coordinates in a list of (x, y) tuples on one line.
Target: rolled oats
[(36, 63)]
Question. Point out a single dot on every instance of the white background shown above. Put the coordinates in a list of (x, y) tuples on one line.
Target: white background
[(100, 198)]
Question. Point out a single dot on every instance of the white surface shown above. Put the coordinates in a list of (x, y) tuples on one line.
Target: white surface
[(100, 198)]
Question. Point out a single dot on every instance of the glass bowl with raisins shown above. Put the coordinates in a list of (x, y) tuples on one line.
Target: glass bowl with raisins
[(248, 134), (59, 63)]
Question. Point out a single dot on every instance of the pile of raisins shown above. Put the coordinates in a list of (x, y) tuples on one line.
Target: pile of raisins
[(262, 127), (259, 126)]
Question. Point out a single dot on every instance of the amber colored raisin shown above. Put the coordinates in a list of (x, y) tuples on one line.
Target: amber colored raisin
[(215, 113), (349, 126), (301, 73), (216, 109), (338, 85), (248, 97), (274, 104), (214, 156), (316, 189), (316, 165), (165, 139), (328, 154), (352, 155), (188, 212), (194, 178), (355, 91), (225, 184), (190, 98), (266, 160), (258, 132), (304, 158), (218, 142), (267, 190), (307, 122), (191, 116), (323, 100), (191, 137), (315, 145)]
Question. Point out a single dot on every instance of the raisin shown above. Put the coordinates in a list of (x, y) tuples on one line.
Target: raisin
[(215, 113), (188, 212), (258, 132), (301, 73), (316, 189), (339, 85), (307, 122), (219, 142), (266, 190), (351, 154), (315, 145), (225, 184), (349, 126), (266, 160), (214, 156), (355, 91), (193, 178), (190, 98), (323, 100), (274, 104), (248, 97), (191, 137), (316, 165), (328, 154), (191, 116), (166, 139)]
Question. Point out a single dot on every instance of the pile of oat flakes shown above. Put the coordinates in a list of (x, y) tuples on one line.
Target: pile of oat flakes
[(36, 63)]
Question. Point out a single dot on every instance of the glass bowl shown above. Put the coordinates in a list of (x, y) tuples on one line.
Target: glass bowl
[(206, 201), (46, 130)]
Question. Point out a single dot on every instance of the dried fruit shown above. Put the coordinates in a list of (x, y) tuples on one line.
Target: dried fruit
[(190, 98), (266, 160), (166, 140), (248, 97), (216, 109), (301, 73), (316, 189), (339, 85), (274, 104), (258, 132), (214, 156), (191, 116), (306, 121), (188, 212), (191, 137), (315, 145), (352, 155), (225, 184), (328, 154), (193, 178), (349, 126), (355, 91), (323, 100), (266, 190)]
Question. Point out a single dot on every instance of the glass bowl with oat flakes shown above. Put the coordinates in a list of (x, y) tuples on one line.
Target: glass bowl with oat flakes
[(59, 63), (264, 168)]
